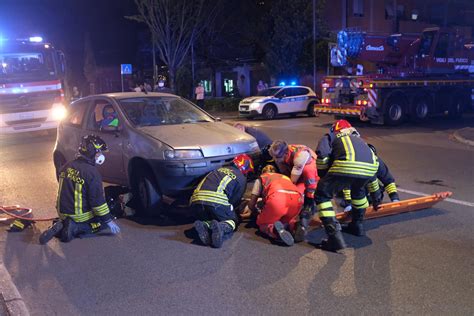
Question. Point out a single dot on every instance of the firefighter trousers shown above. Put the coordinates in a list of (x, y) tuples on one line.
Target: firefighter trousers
[(221, 213), (280, 206)]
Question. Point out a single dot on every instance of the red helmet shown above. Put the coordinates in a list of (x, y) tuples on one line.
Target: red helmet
[(244, 163), (340, 125)]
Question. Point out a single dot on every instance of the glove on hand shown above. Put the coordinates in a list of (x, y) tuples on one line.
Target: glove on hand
[(376, 200), (114, 228)]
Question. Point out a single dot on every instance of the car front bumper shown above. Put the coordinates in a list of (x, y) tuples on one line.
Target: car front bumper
[(177, 177)]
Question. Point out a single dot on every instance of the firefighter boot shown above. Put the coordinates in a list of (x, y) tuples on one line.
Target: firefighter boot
[(72, 230), (220, 232), (202, 229), (356, 226), (300, 232), (54, 230), (335, 240), (284, 235)]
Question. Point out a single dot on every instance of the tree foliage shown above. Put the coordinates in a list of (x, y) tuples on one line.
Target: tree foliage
[(174, 25)]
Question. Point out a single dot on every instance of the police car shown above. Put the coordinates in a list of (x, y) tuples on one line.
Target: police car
[(279, 100)]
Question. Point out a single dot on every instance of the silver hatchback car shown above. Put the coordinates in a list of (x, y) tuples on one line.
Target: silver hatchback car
[(159, 144)]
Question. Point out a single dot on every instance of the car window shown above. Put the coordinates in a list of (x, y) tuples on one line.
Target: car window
[(76, 114), (103, 114), (284, 93), (301, 91), (155, 111), (268, 92)]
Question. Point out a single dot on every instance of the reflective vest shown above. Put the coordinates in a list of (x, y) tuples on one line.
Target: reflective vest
[(276, 182), (294, 150)]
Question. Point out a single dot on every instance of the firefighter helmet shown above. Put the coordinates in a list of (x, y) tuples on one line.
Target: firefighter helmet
[(244, 163), (278, 149), (340, 125), (91, 147)]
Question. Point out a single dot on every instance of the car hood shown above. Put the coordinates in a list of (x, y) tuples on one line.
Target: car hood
[(256, 99), (213, 138)]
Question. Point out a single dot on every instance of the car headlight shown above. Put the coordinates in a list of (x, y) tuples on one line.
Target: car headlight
[(254, 105), (253, 146), (183, 154), (58, 111)]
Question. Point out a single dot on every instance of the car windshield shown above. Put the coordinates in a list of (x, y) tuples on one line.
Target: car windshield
[(25, 66), (155, 111), (268, 92)]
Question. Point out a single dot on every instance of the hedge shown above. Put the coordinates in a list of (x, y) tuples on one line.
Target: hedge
[(222, 104)]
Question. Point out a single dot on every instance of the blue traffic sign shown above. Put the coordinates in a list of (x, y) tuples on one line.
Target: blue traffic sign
[(126, 69)]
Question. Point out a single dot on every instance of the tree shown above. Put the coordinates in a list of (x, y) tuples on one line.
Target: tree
[(174, 25), (90, 66)]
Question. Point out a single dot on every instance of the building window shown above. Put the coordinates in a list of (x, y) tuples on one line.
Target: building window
[(358, 7), (228, 86), (207, 84)]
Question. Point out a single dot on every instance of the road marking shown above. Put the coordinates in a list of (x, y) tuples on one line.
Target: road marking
[(447, 200)]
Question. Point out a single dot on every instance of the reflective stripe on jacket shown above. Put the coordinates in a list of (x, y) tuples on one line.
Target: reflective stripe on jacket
[(276, 182)]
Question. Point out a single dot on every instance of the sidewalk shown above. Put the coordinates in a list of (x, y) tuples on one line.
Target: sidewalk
[(225, 115), (11, 302), (465, 136)]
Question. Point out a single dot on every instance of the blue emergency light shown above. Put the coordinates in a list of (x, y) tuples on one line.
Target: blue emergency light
[(293, 83), (36, 39), (282, 83)]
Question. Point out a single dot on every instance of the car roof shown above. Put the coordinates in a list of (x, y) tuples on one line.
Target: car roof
[(126, 95), (289, 87)]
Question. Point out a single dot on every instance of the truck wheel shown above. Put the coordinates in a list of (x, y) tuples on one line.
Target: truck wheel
[(455, 108), (420, 110), (310, 110), (148, 194), (269, 112), (394, 112)]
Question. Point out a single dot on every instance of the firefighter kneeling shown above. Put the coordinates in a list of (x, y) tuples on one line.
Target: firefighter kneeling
[(81, 204), (344, 161), (215, 199), (281, 205)]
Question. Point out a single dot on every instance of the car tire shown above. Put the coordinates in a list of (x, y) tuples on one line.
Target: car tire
[(395, 111), (269, 112), (59, 161), (310, 110), (148, 195)]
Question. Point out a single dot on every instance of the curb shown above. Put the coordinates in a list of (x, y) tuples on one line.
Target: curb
[(461, 139), (11, 302)]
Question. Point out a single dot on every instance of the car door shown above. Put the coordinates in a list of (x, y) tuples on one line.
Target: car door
[(301, 99), (70, 129), (284, 104), (113, 169)]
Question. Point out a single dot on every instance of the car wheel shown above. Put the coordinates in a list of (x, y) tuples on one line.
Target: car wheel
[(59, 161), (269, 112), (310, 110), (148, 194), (394, 112)]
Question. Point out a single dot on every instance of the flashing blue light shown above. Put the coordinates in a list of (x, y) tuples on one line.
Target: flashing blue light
[(282, 83), (36, 39), (293, 83)]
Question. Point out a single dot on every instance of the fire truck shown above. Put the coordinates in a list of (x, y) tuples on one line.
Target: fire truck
[(32, 76), (392, 78)]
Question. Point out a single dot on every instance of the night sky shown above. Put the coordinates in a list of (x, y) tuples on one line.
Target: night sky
[(64, 23)]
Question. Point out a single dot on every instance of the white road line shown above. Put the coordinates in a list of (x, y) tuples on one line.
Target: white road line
[(447, 200)]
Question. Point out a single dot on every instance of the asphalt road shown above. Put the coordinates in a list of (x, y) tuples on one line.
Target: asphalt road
[(416, 263)]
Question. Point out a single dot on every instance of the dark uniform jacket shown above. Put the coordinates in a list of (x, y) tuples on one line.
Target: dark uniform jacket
[(224, 186), (347, 155), (81, 195)]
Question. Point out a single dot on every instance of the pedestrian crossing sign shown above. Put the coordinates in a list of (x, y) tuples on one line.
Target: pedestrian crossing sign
[(126, 69)]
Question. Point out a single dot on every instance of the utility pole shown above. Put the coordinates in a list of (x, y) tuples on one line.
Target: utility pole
[(314, 44), (155, 75)]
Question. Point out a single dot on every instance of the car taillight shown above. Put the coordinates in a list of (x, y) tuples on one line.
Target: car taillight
[(327, 101)]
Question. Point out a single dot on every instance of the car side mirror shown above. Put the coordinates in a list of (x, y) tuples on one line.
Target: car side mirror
[(218, 119)]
